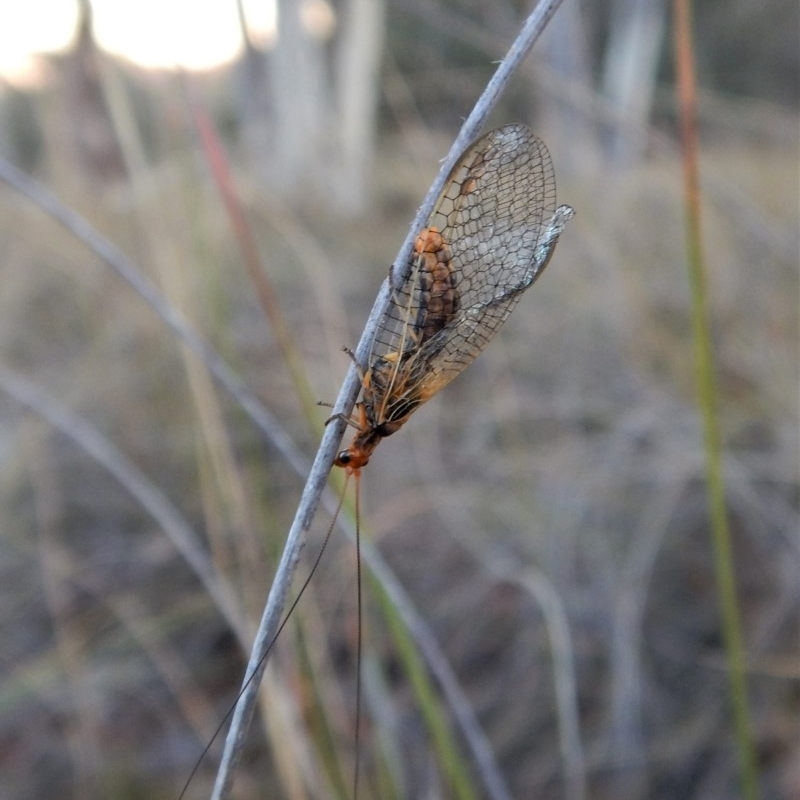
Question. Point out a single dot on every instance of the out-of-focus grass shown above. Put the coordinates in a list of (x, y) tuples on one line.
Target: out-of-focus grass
[(560, 479)]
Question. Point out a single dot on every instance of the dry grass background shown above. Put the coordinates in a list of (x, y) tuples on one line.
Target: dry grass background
[(546, 513)]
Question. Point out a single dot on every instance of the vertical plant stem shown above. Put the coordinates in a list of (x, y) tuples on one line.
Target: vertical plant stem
[(707, 397), (317, 478)]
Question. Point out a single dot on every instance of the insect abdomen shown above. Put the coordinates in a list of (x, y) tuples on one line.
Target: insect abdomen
[(438, 296)]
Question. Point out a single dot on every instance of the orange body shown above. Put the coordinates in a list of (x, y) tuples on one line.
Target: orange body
[(390, 387)]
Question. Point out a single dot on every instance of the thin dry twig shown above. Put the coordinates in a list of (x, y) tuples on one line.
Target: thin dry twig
[(343, 407)]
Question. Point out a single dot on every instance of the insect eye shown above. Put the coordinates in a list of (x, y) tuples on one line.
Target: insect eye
[(344, 458)]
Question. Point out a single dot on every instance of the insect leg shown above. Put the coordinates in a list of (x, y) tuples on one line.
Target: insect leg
[(353, 422)]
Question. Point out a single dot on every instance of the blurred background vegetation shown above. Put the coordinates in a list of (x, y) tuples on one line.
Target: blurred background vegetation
[(546, 513)]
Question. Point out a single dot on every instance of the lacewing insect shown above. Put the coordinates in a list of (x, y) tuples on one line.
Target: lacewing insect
[(491, 234)]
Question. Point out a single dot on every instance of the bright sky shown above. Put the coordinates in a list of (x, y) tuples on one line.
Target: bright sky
[(152, 33)]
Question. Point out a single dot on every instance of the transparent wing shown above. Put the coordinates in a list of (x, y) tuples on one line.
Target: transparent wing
[(489, 237)]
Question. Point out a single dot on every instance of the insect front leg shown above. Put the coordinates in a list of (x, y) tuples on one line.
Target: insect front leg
[(362, 375), (356, 421), (332, 417)]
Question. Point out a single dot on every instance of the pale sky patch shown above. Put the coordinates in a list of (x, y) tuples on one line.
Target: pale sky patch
[(151, 33)]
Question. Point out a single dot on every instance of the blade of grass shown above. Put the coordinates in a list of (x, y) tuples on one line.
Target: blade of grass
[(426, 643), (266, 291), (223, 487), (454, 767), (707, 396)]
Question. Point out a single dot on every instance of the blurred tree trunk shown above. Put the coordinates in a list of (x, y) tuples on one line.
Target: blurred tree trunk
[(325, 72), (564, 48), (93, 140), (302, 108), (358, 75), (630, 70)]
